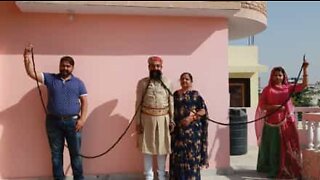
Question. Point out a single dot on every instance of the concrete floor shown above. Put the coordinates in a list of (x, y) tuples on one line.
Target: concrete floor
[(242, 168)]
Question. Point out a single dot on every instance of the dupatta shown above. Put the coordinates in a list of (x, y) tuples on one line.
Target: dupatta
[(290, 154)]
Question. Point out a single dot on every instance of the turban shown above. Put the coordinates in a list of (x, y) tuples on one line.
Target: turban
[(154, 58)]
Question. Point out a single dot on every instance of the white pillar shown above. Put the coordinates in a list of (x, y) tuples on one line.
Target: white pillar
[(316, 136), (310, 135), (304, 124)]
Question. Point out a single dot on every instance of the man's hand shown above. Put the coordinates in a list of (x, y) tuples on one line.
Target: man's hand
[(79, 124), (27, 52), (30, 69), (172, 125)]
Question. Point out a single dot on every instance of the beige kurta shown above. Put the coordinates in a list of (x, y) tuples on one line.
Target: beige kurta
[(155, 138)]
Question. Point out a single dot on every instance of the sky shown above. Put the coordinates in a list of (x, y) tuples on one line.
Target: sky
[(293, 29)]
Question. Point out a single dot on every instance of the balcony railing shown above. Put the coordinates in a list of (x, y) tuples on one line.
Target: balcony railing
[(302, 111), (309, 132)]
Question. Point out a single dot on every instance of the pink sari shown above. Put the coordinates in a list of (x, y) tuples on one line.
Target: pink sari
[(290, 153)]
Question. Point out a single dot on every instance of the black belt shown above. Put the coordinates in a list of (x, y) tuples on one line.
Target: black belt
[(63, 117)]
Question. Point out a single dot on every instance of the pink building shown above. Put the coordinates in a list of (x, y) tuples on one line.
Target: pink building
[(111, 42)]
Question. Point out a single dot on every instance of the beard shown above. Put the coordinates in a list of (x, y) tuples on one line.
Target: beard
[(155, 74), (65, 74)]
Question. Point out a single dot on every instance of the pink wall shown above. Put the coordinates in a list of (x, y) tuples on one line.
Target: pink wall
[(252, 138), (110, 53)]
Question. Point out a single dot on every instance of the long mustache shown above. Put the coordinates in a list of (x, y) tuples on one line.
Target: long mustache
[(155, 74)]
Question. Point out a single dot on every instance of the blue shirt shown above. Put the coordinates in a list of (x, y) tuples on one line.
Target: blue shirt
[(63, 95)]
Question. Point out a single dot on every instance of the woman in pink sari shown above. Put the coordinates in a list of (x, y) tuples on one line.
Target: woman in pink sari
[(278, 140)]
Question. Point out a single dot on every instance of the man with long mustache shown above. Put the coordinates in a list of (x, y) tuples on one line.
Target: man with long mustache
[(154, 119)]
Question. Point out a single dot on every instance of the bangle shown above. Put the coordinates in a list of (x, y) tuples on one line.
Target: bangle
[(305, 75), (195, 117)]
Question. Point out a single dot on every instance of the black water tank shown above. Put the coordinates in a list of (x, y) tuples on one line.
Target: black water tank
[(238, 133)]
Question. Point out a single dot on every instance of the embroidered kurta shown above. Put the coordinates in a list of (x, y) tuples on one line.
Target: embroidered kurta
[(155, 138)]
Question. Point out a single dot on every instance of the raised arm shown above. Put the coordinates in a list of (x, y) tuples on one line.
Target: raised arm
[(305, 74), (27, 55)]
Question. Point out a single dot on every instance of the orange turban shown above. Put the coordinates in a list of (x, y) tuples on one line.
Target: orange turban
[(154, 58)]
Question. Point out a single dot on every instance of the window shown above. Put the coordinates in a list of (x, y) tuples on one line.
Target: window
[(239, 89)]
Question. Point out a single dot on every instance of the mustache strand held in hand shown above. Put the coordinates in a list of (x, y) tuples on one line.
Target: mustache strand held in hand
[(155, 75)]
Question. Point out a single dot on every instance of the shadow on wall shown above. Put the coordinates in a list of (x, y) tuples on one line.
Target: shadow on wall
[(101, 131), (25, 122), (103, 34), (221, 132)]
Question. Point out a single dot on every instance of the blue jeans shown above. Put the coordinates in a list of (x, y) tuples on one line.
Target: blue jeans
[(58, 131)]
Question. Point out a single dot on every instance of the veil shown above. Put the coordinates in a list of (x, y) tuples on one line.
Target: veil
[(261, 113)]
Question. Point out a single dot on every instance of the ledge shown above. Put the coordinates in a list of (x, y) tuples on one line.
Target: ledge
[(161, 8), (250, 69), (245, 18)]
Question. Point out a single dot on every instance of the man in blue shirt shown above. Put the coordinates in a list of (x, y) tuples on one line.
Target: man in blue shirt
[(66, 113)]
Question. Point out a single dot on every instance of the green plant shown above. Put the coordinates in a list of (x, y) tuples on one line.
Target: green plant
[(305, 97), (302, 98)]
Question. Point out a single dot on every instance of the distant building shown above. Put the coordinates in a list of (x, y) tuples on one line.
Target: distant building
[(315, 90)]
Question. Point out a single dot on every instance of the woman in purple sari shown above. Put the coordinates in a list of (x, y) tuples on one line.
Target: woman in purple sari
[(189, 138), (279, 147)]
